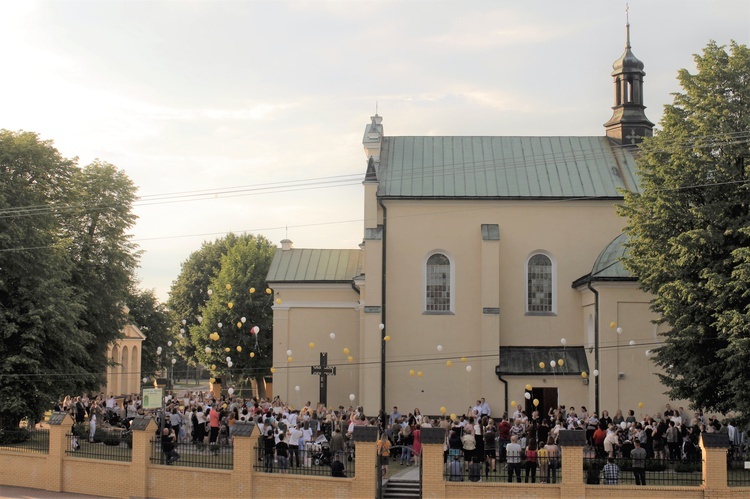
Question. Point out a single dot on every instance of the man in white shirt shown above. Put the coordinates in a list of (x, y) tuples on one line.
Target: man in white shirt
[(513, 455), (484, 408), (519, 413), (294, 435)]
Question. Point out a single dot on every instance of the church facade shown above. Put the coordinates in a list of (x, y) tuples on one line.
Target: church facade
[(489, 269)]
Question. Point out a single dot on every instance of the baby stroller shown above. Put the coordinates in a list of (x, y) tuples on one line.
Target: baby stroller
[(321, 454)]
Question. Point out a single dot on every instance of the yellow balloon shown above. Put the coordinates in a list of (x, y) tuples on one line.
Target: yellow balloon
[(228, 286), (268, 291), (560, 362), (541, 365), (463, 359), (252, 354), (312, 345), (278, 301), (273, 370), (350, 358), (239, 325), (443, 410), (528, 388), (612, 324), (211, 380), (226, 349), (453, 415), (584, 375), (640, 405), (536, 402), (419, 373), (230, 304), (449, 363), (512, 403), (239, 348), (387, 338), (346, 351), (252, 290), (411, 372), (289, 359), (213, 367)]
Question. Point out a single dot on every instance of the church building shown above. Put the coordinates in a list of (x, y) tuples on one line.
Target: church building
[(489, 268)]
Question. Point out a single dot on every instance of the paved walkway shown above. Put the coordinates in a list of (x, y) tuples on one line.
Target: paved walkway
[(7, 492)]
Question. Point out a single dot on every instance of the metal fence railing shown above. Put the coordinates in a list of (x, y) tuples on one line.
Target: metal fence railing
[(106, 445), (458, 467), (23, 440), (194, 454), (660, 472), (738, 466), (313, 460)]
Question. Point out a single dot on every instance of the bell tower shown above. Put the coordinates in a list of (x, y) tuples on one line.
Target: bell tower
[(628, 124)]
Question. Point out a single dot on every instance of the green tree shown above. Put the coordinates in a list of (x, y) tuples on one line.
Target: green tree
[(42, 347), (228, 269), (97, 221), (154, 320), (689, 232)]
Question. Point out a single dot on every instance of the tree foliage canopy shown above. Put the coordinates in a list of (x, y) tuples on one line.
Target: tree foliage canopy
[(66, 264), (689, 232), (228, 269)]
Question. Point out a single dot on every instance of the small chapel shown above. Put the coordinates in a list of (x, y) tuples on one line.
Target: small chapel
[(490, 267)]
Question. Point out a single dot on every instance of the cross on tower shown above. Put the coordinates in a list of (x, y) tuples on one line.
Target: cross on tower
[(632, 136), (323, 370)]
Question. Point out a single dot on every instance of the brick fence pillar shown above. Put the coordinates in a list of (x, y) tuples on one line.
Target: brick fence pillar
[(571, 449), (59, 425), (714, 453), (144, 429), (365, 466), (244, 459), (433, 482)]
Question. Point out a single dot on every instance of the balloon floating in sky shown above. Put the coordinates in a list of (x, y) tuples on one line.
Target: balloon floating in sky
[(268, 291), (220, 325), (613, 325), (536, 402), (333, 336), (596, 372), (584, 375), (312, 345), (560, 362), (463, 359), (541, 365), (256, 330), (443, 410), (387, 338), (351, 396), (619, 330), (239, 348), (449, 363), (288, 353), (231, 391), (210, 292), (528, 388), (411, 372), (552, 363), (419, 374), (296, 388), (228, 286), (252, 354), (648, 352), (278, 301), (381, 326), (527, 396), (169, 343), (468, 369), (226, 349), (252, 290), (346, 351), (200, 319), (289, 359), (512, 403), (230, 304), (440, 348), (184, 322), (243, 320), (631, 343), (563, 341), (239, 325), (350, 358), (640, 405), (208, 349), (273, 370)]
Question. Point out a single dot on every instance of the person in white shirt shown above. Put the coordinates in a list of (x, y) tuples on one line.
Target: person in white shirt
[(295, 434), (484, 409)]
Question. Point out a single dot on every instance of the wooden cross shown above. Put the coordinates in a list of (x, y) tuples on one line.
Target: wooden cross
[(323, 370)]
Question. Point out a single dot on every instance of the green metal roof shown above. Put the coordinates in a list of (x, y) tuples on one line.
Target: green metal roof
[(315, 265), (504, 167), (525, 360)]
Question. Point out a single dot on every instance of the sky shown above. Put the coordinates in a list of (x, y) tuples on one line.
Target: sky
[(248, 116)]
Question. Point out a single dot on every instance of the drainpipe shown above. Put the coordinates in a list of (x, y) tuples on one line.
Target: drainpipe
[(382, 312), (596, 342), (505, 383)]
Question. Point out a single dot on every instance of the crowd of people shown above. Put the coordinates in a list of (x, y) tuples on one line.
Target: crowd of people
[(527, 444)]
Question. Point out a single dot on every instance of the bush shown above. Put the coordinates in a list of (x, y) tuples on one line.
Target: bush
[(687, 467), (14, 436)]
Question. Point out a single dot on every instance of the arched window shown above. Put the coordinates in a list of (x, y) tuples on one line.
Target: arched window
[(539, 284), (438, 284)]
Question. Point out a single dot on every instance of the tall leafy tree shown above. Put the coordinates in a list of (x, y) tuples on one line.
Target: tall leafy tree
[(98, 219), (215, 287), (153, 318), (42, 346), (690, 232)]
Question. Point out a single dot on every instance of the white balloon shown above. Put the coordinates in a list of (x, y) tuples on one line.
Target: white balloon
[(210, 292), (623, 425), (208, 349), (256, 329), (440, 348), (174, 361), (169, 343), (351, 396), (184, 322), (381, 326), (229, 359), (563, 341), (229, 364), (200, 319), (220, 324), (333, 336), (243, 320), (632, 343), (296, 388), (288, 353), (552, 363), (182, 331), (158, 351), (596, 372), (231, 391), (468, 369), (527, 395), (619, 330), (145, 380), (648, 352)]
